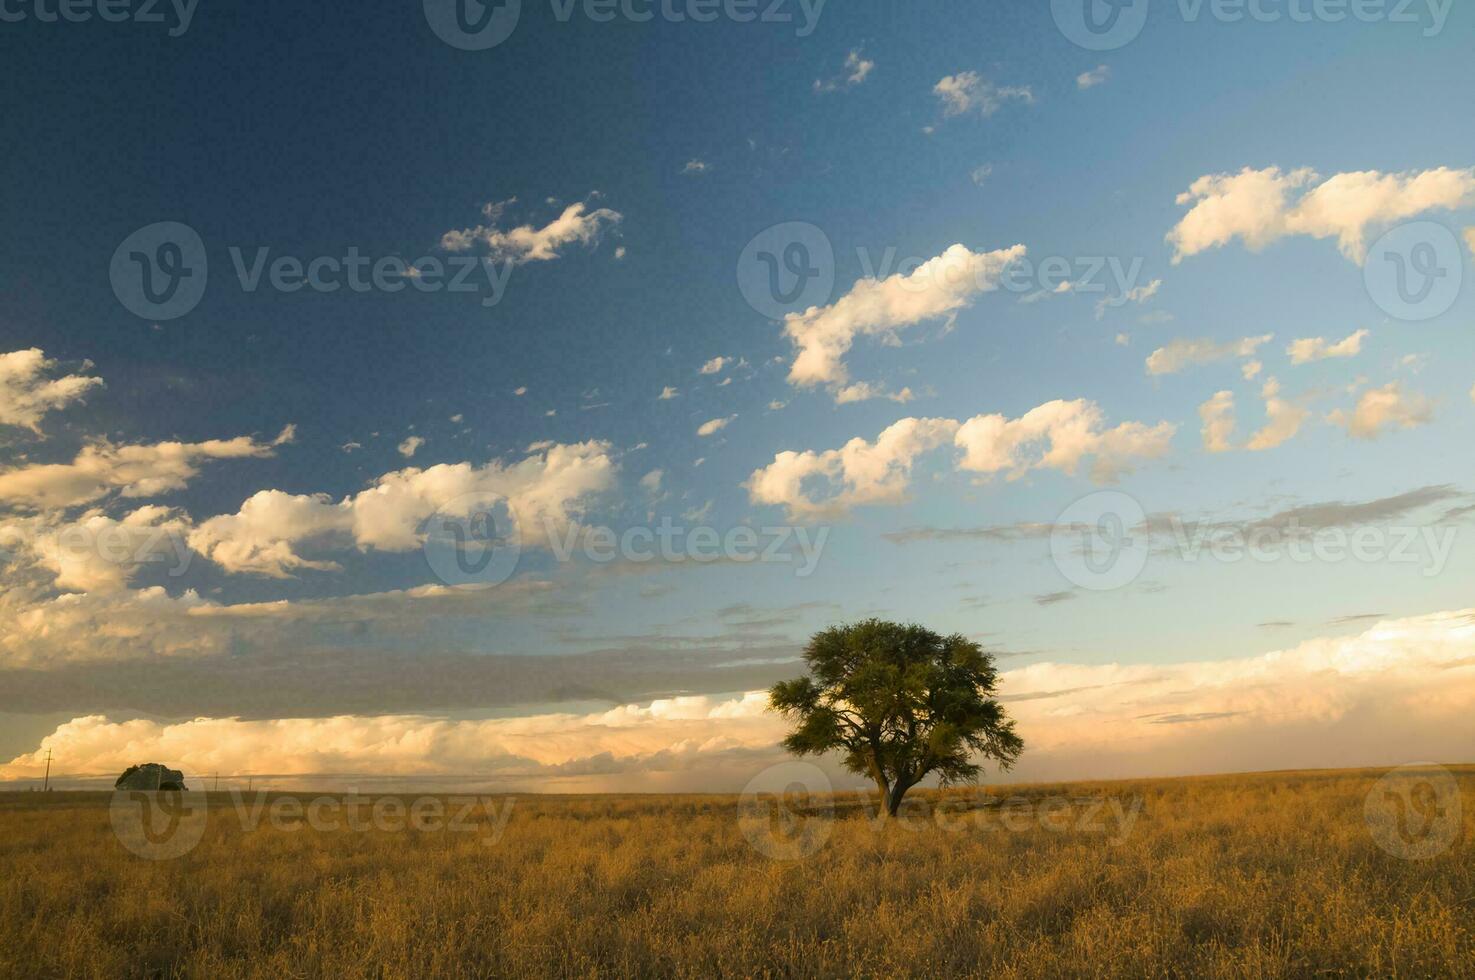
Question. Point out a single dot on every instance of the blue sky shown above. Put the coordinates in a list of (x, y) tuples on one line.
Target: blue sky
[(896, 133)]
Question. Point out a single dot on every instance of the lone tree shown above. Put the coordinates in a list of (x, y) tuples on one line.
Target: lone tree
[(900, 702)]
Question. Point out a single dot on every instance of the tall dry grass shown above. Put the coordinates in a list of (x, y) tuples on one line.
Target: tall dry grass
[(1241, 876)]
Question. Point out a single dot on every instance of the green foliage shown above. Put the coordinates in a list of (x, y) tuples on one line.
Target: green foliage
[(900, 703)]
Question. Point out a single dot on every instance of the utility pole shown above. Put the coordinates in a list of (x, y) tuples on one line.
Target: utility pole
[(46, 783)]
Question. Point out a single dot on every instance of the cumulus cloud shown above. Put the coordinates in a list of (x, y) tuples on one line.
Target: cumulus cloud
[(1183, 353), (696, 167), (1218, 417), (541, 745), (968, 92), (1260, 207), (577, 225), (715, 365), (1056, 435), (938, 288), (102, 468), (1283, 419), (1320, 349), (1059, 435), (857, 69), (28, 391), (410, 446), (668, 393), (544, 493), (1384, 408)]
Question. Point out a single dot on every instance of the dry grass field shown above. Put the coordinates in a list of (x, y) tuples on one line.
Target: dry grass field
[(1239, 876)]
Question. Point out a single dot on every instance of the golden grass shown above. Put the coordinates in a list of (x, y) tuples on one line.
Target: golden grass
[(1237, 876)]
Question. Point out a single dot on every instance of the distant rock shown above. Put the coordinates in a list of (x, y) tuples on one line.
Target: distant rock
[(151, 776)]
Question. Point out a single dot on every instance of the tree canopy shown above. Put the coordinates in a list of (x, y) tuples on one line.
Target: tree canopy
[(900, 702)]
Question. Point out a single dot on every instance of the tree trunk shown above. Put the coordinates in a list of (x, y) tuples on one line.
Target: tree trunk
[(893, 799), (883, 808)]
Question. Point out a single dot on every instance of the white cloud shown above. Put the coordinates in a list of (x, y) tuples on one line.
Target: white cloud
[(536, 745), (696, 167), (102, 468), (1251, 370), (714, 426), (1319, 348), (527, 243), (1056, 435), (715, 365), (1260, 207), (1470, 238), (1096, 76), (27, 392), (938, 288), (980, 175), (857, 70), (969, 92), (1137, 294), (1184, 352), (1283, 419), (651, 482), (1384, 408), (864, 391), (668, 393), (545, 492), (410, 446), (859, 473), (1218, 417), (519, 392), (94, 552)]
